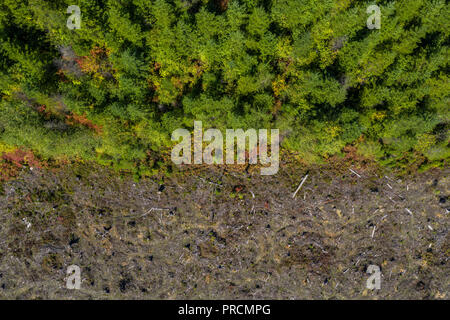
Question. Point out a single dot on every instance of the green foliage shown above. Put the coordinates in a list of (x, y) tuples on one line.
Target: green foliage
[(140, 69)]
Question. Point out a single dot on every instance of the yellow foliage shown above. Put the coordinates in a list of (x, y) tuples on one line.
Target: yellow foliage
[(284, 47), (425, 141), (278, 86), (341, 5), (333, 131), (378, 116)]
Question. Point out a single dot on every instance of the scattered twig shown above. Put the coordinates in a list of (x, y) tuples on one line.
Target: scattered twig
[(409, 211), (28, 224), (210, 182), (299, 186), (373, 232), (324, 251)]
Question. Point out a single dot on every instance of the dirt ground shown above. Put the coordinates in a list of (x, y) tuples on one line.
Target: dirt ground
[(211, 233)]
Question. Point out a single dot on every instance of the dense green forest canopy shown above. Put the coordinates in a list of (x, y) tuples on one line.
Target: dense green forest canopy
[(114, 90)]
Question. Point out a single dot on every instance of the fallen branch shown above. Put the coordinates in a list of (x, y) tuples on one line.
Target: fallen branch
[(154, 209), (300, 185)]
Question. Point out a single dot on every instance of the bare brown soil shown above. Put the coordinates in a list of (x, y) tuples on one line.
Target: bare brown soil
[(215, 234)]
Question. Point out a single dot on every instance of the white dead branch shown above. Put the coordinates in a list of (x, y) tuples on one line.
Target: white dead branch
[(28, 224), (154, 209), (299, 186), (352, 171)]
